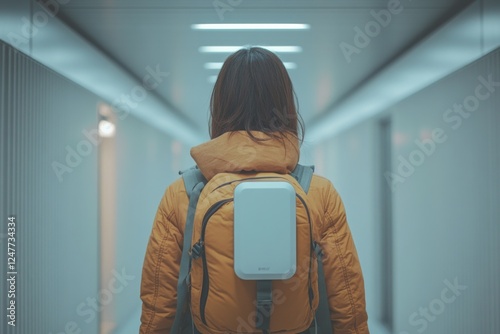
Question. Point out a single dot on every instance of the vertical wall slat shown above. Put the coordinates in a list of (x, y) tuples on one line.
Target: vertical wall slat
[(3, 176), (41, 114), (493, 250)]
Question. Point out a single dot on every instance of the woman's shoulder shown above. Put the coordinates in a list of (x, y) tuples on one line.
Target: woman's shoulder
[(324, 193), (174, 203), (322, 184), (173, 194), (176, 190)]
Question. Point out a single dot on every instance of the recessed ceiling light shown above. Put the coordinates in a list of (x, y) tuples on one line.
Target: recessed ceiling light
[(250, 26), (230, 49)]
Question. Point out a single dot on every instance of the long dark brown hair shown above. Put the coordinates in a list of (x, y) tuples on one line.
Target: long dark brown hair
[(253, 92)]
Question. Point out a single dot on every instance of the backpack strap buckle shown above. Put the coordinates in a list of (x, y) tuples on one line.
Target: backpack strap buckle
[(264, 305), (197, 250), (317, 249)]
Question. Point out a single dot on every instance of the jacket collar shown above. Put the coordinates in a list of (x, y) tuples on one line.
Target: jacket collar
[(237, 152)]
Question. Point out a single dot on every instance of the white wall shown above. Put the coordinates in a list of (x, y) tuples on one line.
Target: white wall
[(446, 221), (43, 117), (59, 241), (147, 162), (445, 208), (350, 161)]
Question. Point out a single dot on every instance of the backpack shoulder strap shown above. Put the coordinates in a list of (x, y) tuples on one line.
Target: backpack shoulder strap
[(303, 174), (194, 181), (323, 324), (322, 317), (192, 176)]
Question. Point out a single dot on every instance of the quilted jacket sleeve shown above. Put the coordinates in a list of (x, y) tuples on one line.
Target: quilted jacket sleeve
[(161, 270), (344, 278)]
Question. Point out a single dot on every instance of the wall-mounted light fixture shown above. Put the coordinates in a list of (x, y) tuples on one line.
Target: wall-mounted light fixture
[(106, 125), (106, 128)]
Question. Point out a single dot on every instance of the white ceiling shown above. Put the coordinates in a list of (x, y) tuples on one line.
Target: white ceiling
[(138, 34)]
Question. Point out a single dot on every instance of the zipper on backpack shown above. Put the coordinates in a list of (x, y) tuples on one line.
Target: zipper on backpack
[(199, 247)]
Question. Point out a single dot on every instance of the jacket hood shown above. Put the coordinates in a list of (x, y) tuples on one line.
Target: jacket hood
[(236, 152)]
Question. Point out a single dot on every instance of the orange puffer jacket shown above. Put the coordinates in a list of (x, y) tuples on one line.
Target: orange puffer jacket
[(236, 152)]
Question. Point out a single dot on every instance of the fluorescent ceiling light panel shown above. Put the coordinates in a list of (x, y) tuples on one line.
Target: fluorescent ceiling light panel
[(250, 26), (284, 49), (218, 65), (213, 66), (230, 49)]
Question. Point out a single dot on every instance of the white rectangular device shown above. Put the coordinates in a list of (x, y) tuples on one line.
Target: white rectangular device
[(265, 230)]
